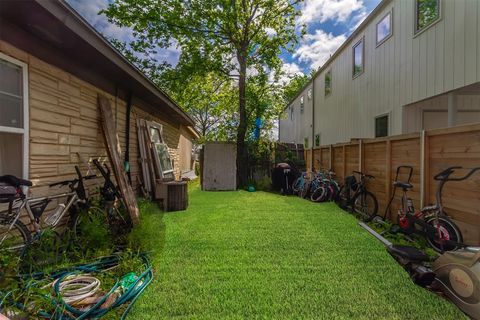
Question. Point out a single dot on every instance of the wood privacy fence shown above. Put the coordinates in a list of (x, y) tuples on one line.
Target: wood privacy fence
[(428, 152)]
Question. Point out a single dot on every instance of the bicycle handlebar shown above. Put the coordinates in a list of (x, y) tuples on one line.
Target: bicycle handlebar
[(410, 172), (368, 176), (445, 174), (71, 182)]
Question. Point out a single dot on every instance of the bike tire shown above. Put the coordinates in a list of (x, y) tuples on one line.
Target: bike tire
[(20, 232), (448, 226), (372, 206), (342, 199), (318, 194), (77, 217), (303, 193), (296, 185)]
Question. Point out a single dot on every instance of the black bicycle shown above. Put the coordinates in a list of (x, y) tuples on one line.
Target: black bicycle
[(354, 195)]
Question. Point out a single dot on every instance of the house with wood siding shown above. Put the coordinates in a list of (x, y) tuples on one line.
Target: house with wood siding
[(53, 66), (410, 66)]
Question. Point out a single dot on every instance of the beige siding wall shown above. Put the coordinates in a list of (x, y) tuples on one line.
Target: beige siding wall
[(65, 123), (403, 70)]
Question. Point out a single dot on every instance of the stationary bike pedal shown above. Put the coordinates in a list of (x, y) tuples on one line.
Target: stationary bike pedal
[(395, 229)]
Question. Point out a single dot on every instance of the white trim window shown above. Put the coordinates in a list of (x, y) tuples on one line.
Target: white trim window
[(384, 28), (13, 117), (382, 125), (358, 58), (427, 12)]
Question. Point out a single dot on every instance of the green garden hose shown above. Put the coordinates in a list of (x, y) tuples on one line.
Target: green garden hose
[(77, 283)]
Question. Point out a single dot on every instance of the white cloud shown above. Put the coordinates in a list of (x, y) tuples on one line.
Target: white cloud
[(316, 48), (324, 10), (271, 32), (289, 70), (357, 20), (89, 11)]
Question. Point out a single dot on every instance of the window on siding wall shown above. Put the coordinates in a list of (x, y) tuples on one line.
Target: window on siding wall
[(328, 83), (13, 117), (309, 94), (381, 126), (162, 154), (291, 113), (426, 13), (302, 105), (358, 62), (305, 143), (384, 29), (317, 140)]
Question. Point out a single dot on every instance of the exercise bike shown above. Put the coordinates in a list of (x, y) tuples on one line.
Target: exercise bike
[(455, 273), (431, 222)]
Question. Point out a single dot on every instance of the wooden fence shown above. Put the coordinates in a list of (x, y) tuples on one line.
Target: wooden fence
[(428, 152)]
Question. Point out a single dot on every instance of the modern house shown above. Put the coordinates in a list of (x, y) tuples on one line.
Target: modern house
[(53, 65), (410, 66)]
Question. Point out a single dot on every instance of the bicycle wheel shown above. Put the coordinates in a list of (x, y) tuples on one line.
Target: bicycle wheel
[(342, 197), (445, 229), (15, 239), (78, 219), (297, 185), (365, 204), (303, 193), (318, 194)]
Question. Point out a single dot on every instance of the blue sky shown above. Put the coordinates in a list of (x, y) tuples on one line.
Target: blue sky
[(329, 22)]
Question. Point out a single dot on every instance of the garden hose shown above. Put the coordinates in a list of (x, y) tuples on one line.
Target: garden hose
[(76, 284)]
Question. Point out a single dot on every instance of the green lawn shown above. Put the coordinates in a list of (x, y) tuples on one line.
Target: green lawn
[(240, 255)]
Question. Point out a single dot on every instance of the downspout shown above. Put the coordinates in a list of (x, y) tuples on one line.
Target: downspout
[(127, 134), (313, 121)]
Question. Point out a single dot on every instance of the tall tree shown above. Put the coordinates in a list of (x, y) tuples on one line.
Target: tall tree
[(231, 37)]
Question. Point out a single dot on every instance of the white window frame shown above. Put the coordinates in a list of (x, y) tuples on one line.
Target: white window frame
[(416, 30), (379, 43), (26, 117), (361, 40), (325, 83)]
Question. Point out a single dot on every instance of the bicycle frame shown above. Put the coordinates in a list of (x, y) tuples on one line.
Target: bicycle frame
[(27, 203)]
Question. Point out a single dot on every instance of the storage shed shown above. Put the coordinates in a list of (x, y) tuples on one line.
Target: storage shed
[(219, 166)]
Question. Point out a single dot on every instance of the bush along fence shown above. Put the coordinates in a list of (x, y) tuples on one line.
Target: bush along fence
[(428, 152)]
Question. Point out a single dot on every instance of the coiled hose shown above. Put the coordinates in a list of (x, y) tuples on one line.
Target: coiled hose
[(75, 284)]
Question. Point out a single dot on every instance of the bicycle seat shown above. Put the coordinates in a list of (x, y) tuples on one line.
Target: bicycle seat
[(403, 185), (408, 253), (15, 182)]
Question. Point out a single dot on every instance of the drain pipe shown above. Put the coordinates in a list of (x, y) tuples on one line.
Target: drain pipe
[(313, 122)]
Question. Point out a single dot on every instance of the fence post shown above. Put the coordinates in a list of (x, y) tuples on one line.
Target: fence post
[(424, 169), (344, 161), (388, 169), (331, 158), (360, 155)]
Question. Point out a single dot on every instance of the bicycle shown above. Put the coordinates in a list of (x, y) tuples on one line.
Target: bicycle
[(327, 188), (112, 202), (354, 195), (431, 222), (300, 184), (15, 234)]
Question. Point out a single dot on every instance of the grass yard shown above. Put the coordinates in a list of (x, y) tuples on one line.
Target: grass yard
[(240, 255)]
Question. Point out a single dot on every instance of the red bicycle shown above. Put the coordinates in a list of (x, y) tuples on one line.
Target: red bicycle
[(432, 222)]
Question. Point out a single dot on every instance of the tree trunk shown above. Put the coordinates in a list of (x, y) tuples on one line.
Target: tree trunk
[(242, 165)]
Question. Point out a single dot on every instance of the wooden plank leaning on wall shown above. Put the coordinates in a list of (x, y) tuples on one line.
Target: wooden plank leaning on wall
[(112, 145)]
